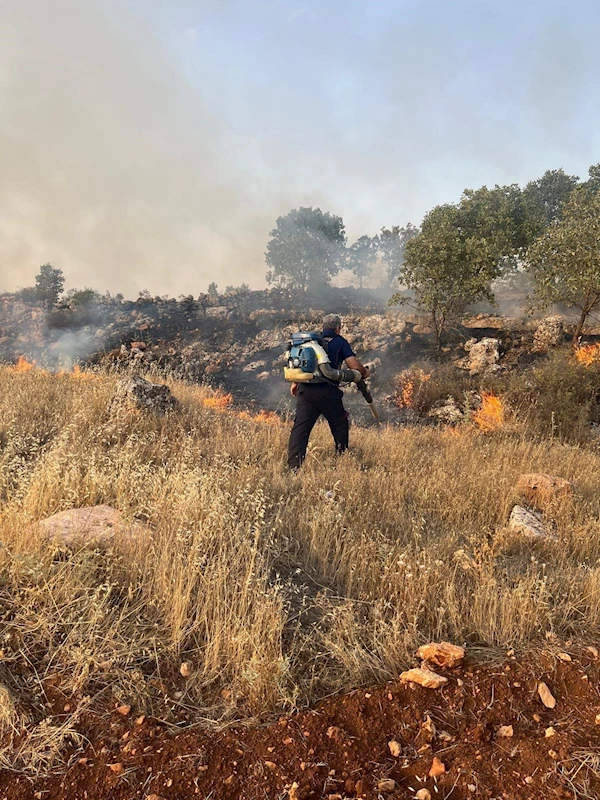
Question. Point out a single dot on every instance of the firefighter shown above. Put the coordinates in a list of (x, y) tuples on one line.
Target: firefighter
[(314, 399)]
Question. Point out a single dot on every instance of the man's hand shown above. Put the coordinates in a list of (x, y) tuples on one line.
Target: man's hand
[(354, 363), (294, 389)]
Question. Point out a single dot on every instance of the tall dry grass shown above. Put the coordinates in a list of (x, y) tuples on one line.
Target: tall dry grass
[(277, 588)]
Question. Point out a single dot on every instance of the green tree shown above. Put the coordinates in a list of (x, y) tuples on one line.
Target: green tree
[(447, 268), (306, 249), (544, 199), (213, 292), (391, 246), (493, 222), (593, 182), (565, 261), (361, 257), (78, 298), (49, 283)]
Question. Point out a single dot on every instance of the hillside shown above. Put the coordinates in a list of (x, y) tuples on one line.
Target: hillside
[(230, 590)]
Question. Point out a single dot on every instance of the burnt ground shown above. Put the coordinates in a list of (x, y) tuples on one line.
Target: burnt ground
[(340, 749)]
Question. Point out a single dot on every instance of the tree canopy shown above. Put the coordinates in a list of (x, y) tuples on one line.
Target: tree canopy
[(306, 249), (49, 283), (391, 245), (544, 198), (361, 257), (565, 261)]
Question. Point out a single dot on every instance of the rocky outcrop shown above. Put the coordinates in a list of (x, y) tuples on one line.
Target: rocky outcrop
[(529, 524), (484, 356), (549, 333), (138, 393), (92, 525)]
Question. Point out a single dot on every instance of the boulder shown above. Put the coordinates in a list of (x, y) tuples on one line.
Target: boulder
[(529, 524), (442, 654), (95, 525), (549, 333), (449, 413), (138, 393), (539, 489), (483, 355)]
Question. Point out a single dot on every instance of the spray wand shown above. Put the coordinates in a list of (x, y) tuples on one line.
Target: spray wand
[(364, 390)]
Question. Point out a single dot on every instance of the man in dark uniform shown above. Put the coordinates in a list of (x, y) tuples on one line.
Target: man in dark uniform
[(312, 400)]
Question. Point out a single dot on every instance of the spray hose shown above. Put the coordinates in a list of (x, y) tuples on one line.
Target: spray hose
[(364, 390)]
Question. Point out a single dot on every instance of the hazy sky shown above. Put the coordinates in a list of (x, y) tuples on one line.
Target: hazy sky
[(148, 144)]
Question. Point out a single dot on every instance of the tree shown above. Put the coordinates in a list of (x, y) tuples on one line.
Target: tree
[(447, 268), (593, 182), (493, 222), (361, 256), (565, 262), (544, 199), (213, 292), (49, 283), (391, 246), (306, 249), (77, 298)]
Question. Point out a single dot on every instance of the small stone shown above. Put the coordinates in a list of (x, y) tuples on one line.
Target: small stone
[(335, 733), (471, 787), (564, 657), (597, 719), (529, 780), (437, 768), (186, 668), (550, 732), (423, 677), (124, 710), (395, 748), (293, 791), (140, 720), (593, 651), (505, 732), (423, 794), (386, 785), (546, 695), (442, 654), (116, 768), (271, 765), (154, 797), (537, 718)]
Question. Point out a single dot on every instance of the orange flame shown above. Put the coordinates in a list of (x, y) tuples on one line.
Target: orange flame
[(588, 354), (22, 365), (409, 382), (219, 402), (490, 416)]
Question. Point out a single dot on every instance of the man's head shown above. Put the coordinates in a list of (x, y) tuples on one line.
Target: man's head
[(332, 322)]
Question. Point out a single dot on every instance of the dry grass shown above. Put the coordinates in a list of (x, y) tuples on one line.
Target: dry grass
[(275, 592)]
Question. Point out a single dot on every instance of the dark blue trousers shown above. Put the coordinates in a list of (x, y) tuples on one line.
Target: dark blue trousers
[(311, 402)]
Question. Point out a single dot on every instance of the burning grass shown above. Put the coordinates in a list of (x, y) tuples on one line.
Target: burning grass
[(588, 354), (278, 589)]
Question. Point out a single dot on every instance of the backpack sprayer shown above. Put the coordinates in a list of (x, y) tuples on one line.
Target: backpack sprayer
[(308, 362)]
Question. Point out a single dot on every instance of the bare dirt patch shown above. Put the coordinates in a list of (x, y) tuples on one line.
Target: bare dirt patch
[(343, 747)]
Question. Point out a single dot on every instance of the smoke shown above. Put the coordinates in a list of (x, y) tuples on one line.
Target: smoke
[(113, 168), (153, 145)]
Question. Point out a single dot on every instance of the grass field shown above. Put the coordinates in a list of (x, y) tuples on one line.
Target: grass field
[(278, 589)]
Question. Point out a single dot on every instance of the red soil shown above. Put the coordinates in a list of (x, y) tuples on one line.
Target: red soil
[(341, 749)]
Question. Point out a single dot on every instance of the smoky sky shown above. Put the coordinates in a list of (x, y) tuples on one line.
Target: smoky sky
[(150, 145)]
